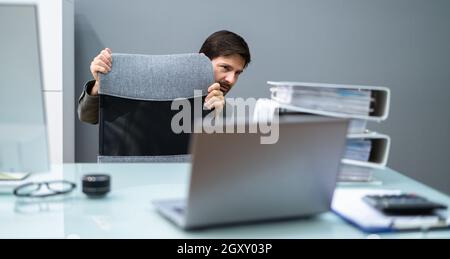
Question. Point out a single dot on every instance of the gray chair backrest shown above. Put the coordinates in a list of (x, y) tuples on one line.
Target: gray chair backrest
[(135, 101)]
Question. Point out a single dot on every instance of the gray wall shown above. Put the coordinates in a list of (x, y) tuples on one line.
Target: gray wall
[(402, 44)]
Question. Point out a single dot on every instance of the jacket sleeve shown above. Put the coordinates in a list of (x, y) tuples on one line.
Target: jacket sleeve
[(88, 105)]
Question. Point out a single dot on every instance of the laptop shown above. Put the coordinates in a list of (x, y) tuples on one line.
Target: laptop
[(236, 179), (23, 128)]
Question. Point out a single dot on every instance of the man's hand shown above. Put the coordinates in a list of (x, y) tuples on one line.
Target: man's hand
[(215, 98), (101, 64)]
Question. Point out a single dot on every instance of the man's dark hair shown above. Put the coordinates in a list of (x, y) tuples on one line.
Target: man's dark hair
[(226, 43)]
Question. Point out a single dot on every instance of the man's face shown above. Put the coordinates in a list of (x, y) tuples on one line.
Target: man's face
[(227, 70)]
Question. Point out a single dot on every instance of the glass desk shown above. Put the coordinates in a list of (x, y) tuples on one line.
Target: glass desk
[(127, 211)]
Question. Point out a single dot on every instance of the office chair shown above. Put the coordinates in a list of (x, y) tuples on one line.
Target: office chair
[(135, 106)]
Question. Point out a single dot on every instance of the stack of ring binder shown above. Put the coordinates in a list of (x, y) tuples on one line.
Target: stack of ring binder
[(366, 150)]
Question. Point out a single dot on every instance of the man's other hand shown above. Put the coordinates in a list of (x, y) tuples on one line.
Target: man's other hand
[(215, 98), (101, 64)]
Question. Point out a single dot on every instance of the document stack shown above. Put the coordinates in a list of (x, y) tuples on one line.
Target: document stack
[(366, 150)]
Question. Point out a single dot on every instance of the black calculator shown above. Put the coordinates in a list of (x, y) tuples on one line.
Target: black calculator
[(403, 204)]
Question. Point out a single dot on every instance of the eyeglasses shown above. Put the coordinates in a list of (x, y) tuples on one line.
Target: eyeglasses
[(53, 188)]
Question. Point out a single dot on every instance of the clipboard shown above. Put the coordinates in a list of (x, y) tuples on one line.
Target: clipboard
[(349, 205)]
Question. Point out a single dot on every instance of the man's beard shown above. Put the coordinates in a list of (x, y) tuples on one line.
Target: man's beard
[(224, 87)]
